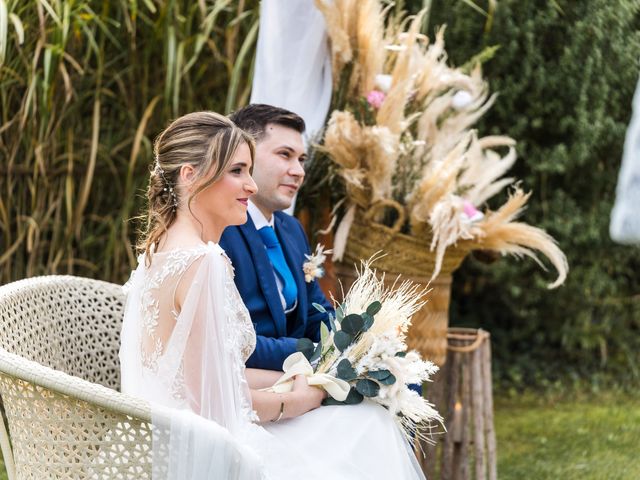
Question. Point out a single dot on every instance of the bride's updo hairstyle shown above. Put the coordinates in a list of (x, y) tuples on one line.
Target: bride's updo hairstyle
[(205, 140)]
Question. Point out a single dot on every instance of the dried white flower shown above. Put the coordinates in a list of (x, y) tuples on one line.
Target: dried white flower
[(462, 99), (383, 82), (312, 268)]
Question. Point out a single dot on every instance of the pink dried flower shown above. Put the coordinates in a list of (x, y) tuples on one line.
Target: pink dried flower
[(471, 211), (375, 98)]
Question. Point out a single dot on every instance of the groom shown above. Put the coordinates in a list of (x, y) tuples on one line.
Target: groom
[(268, 251)]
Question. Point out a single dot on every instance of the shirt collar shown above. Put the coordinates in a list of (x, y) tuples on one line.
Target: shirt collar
[(259, 220)]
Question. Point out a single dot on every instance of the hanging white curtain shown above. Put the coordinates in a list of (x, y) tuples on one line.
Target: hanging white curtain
[(625, 216), (293, 64)]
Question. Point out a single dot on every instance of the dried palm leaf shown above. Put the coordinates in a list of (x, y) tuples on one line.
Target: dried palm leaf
[(336, 14), (391, 113), (381, 147), (439, 179), (480, 179), (343, 140), (450, 224), (502, 234), (370, 41)]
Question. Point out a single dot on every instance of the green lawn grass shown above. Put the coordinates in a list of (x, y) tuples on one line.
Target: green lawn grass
[(584, 438)]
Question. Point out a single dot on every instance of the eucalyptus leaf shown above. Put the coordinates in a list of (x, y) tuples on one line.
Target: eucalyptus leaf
[(354, 397), (367, 387), (332, 322), (401, 354), (379, 374), (368, 321), (345, 371), (324, 335), (385, 377), (316, 353), (390, 380), (340, 313), (305, 346), (352, 324), (319, 307), (342, 340), (374, 308)]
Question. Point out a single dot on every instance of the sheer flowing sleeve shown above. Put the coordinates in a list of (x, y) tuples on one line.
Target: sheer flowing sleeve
[(202, 353), (185, 358)]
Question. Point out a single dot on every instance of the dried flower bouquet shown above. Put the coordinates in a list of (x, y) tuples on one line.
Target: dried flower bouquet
[(364, 354), (400, 135)]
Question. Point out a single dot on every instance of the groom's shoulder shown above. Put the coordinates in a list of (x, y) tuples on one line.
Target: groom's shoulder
[(230, 232), (290, 223), (231, 238)]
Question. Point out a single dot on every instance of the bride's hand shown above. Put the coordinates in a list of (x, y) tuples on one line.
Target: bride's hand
[(308, 397)]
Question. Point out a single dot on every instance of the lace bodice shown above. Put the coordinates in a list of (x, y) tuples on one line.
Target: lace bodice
[(166, 331), (166, 270), (243, 335)]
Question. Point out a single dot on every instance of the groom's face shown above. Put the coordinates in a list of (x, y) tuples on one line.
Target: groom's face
[(278, 168)]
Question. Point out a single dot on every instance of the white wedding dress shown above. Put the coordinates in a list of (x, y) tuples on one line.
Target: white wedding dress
[(191, 358)]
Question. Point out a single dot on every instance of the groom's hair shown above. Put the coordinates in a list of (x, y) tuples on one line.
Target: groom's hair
[(255, 117)]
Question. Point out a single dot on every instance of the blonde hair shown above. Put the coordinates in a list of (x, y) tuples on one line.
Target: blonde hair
[(205, 140)]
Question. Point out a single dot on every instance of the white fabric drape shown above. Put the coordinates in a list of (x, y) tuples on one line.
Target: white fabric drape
[(625, 216), (293, 65), (188, 447)]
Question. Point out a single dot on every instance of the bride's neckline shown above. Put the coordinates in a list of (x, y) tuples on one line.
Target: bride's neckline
[(189, 248)]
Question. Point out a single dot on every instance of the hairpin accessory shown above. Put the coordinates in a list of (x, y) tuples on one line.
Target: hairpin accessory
[(168, 187)]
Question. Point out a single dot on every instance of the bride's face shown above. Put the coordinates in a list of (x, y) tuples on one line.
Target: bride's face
[(225, 202)]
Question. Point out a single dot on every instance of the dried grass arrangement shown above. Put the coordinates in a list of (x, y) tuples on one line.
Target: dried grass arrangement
[(84, 88), (402, 142)]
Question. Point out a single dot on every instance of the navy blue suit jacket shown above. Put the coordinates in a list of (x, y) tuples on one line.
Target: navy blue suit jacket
[(254, 277)]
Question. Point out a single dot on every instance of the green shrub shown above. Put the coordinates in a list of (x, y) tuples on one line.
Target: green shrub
[(565, 72)]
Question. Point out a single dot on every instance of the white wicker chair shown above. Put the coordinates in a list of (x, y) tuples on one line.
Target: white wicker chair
[(59, 376)]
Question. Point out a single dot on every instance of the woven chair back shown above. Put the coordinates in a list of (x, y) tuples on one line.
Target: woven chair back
[(59, 372), (68, 323)]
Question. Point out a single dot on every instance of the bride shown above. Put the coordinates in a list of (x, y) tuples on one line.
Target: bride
[(186, 335)]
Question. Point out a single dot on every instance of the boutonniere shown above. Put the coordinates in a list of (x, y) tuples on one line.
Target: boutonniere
[(312, 268)]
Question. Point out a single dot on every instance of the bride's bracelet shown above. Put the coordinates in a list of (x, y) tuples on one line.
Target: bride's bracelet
[(281, 413)]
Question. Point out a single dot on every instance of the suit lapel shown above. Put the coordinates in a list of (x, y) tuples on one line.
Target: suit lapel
[(292, 255), (265, 274)]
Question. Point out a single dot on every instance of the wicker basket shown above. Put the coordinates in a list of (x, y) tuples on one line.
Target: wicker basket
[(410, 257)]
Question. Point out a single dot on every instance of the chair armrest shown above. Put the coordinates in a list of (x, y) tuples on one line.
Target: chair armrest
[(65, 384)]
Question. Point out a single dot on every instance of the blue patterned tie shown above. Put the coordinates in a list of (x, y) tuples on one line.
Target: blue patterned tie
[(276, 256)]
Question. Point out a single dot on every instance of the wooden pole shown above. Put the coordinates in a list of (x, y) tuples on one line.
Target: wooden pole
[(488, 408), (452, 420), (478, 412), (469, 446), (463, 459), (434, 392)]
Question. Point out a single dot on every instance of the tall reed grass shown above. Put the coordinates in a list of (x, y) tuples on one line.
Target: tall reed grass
[(85, 85)]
